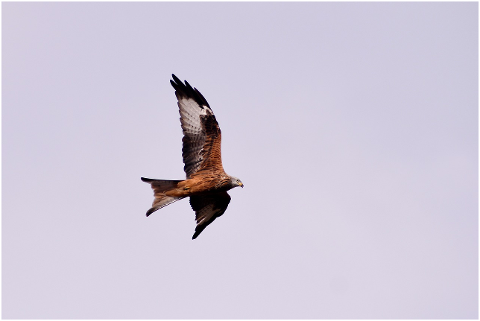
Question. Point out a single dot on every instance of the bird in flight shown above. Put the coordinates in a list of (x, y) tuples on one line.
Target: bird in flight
[(207, 183)]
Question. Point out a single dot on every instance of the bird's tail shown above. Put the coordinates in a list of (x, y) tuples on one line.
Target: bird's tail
[(160, 186)]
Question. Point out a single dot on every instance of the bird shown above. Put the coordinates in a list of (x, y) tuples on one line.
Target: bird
[(206, 182)]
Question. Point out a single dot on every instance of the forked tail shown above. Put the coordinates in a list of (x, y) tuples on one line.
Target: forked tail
[(160, 186)]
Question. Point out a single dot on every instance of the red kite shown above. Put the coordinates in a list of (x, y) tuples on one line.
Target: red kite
[(207, 183)]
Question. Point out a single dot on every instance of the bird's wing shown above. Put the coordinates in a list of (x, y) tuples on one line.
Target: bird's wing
[(207, 208), (201, 133)]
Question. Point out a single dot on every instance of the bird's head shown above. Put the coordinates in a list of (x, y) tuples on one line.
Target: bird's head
[(235, 182)]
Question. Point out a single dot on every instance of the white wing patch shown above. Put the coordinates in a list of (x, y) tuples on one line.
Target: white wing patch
[(193, 131), (195, 114), (190, 113)]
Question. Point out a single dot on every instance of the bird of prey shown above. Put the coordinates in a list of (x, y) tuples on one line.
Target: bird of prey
[(207, 183)]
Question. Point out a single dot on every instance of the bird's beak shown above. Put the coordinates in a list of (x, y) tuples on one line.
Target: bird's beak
[(241, 184)]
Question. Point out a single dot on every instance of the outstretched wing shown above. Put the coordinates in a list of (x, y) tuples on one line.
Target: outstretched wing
[(207, 208), (201, 133)]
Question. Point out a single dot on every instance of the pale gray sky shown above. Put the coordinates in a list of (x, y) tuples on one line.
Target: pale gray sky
[(352, 125)]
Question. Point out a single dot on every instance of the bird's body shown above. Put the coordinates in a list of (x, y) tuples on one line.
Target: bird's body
[(206, 183)]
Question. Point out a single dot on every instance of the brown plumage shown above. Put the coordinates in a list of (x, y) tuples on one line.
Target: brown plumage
[(207, 183)]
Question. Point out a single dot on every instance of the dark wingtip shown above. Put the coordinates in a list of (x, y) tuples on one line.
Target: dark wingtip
[(150, 211), (176, 82), (185, 89), (197, 232), (146, 180)]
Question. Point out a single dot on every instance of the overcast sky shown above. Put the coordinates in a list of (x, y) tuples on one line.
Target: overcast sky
[(352, 125)]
